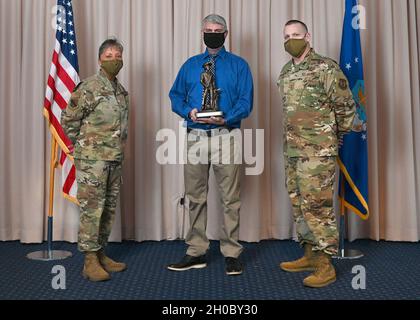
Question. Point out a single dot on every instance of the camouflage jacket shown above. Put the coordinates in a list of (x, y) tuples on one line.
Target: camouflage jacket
[(96, 119), (318, 106)]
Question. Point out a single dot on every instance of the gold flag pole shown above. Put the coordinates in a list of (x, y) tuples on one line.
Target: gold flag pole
[(51, 254), (344, 253), (342, 217), (53, 166)]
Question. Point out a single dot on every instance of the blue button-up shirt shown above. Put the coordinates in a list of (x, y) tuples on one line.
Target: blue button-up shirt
[(233, 78)]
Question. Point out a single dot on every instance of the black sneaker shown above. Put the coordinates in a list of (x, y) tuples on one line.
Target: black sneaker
[(233, 266), (189, 262)]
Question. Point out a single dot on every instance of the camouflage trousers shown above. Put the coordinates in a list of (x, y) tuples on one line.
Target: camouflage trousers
[(310, 184), (98, 187)]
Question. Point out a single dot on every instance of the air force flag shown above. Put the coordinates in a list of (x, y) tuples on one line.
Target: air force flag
[(353, 158)]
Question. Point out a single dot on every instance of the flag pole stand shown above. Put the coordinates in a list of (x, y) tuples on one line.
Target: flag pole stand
[(343, 252), (50, 254)]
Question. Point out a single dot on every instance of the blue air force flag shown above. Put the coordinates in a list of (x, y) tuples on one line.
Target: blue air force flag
[(353, 158)]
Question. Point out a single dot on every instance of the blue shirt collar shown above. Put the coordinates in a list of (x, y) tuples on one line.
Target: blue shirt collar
[(222, 53)]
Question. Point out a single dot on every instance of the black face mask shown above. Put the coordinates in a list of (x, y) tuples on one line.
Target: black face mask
[(214, 40)]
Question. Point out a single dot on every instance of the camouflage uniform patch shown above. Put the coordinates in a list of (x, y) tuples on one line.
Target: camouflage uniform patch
[(342, 83)]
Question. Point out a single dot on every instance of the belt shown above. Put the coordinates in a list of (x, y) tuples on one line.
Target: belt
[(210, 133)]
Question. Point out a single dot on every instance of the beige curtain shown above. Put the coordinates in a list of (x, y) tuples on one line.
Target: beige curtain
[(159, 35)]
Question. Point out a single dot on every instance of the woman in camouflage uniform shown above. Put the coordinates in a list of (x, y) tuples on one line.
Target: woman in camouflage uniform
[(96, 120)]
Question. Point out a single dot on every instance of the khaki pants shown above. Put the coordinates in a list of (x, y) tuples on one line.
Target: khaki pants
[(218, 151)]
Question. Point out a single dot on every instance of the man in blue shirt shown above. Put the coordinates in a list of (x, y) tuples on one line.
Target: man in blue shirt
[(217, 139)]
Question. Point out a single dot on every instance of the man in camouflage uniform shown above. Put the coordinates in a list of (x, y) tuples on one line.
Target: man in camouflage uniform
[(318, 108), (96, 120)]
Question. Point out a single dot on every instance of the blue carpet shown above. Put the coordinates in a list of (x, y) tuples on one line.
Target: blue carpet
[(392, 272)]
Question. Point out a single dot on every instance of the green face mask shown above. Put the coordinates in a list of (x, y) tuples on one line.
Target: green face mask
[(112, 67), (295, 47)]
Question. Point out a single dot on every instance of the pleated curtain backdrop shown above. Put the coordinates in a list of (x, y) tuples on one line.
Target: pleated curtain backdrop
[(159, 35)]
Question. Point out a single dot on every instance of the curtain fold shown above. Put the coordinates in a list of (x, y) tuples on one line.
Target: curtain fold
[(158, 36)]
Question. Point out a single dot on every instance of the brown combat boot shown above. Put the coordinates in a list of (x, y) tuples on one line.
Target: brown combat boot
[(92, 270), (109, 264), (324, 273), (305, 263)]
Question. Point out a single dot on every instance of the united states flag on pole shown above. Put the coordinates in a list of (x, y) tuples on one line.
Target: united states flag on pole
[(63, 77)]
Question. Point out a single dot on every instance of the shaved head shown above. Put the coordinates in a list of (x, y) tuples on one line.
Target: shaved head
[(295, 29), (302, 24)]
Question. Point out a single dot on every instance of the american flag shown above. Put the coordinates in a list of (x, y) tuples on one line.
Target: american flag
[(63, 77)]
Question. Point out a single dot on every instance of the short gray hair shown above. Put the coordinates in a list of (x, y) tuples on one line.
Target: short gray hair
[(214, 18), (109, 43)]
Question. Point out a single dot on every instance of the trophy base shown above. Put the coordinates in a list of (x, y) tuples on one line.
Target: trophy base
[(209, 114)]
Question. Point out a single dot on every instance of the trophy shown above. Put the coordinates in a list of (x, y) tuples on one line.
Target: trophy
[(209, 106)]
